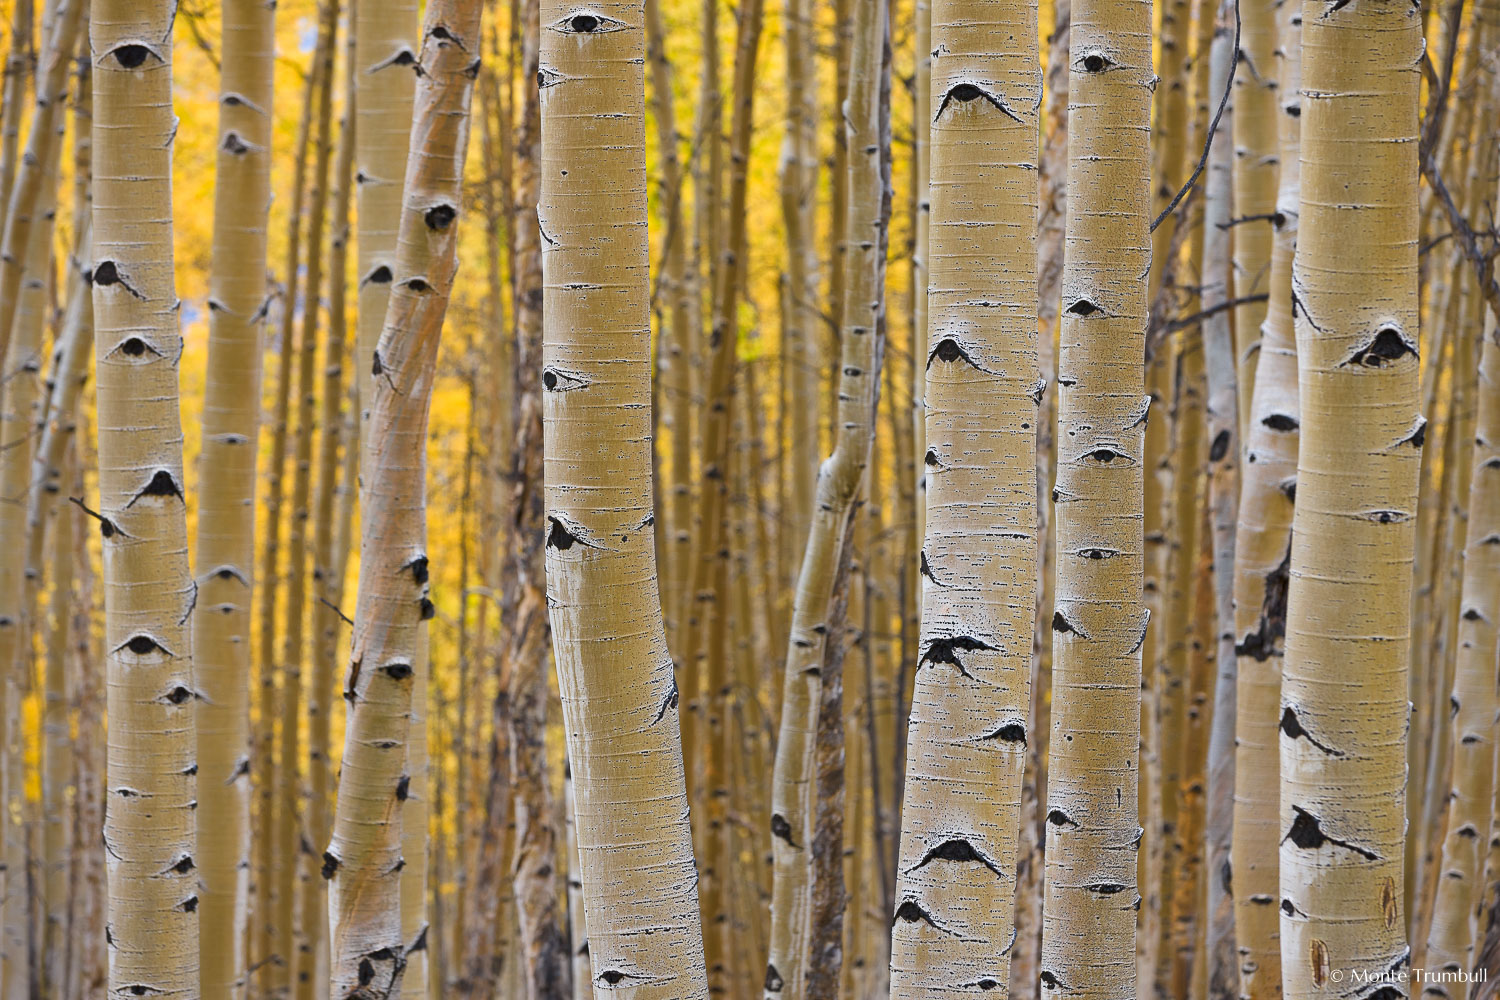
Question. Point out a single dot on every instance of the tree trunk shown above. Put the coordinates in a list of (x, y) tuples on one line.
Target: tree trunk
[(1088, 930), (620, 699), (1355, 285), (368, 953), (238, 309), (152, 763), (979, 556)]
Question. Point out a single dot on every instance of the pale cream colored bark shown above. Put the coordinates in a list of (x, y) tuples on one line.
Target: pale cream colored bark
[(921, 242), (17, 71), (1451, 938), (956, 885), (329, 557), (1256, 159), (795, 799), (1355, 285), (1088, 937), (1222, 964), (227, 487), (619, 697), (149, 591), (385, 52), (1262, 544), (364, 862)]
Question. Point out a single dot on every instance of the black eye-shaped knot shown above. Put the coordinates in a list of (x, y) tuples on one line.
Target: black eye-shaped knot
[(134, 55), (1094, 62), (588, 22)]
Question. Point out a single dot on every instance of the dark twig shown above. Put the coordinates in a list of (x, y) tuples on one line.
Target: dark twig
[(1262, 217), (1213, 126), (1214, 310)]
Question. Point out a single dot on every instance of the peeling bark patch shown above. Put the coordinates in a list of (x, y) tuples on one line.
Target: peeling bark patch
[(1307, 833), (1387, 346), (781, 829), (959, 851), (1292, 727)]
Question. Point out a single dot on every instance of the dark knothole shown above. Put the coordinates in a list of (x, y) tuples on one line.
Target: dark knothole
[(131, 56), (1280, 422), (585, 24), (440, 217), (397, 671), (141, 645), (1386, 346), (1220, 447), (774, 982), (1083, 307)]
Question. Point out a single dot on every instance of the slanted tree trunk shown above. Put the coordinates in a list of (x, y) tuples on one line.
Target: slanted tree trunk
[(1355, 281), (1099, 624), (620, 699), (802, 903), (149, 591), (956, 887), (363, 863), (225, 555)]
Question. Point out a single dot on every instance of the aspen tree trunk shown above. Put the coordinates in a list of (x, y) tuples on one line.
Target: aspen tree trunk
[(290, 831), (21, 398), (538, 842), (679, 335), (238, 308), (795, 791), (1099, 623), (921, 245), (1052, 197), (1224, 487), (1470, 801), (266, 770), (1256, 198), (17, 66), (385, 52), (149, 591), (328, 558), (799, 176), (57, 777), (979, 557), (1354, 278), (583, 977), (1262, 551), (25, 267), (367, 949), (620, 698)]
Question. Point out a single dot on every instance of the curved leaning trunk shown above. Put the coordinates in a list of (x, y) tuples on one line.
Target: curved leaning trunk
[(364, 862), (620, 699), (1343, 731), (969, 731), (226, 510), (800, 904), (1099, 624), (149, 592)]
